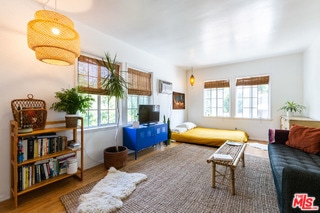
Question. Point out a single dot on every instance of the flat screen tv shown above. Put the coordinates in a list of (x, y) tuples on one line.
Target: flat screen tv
[(149, 114)]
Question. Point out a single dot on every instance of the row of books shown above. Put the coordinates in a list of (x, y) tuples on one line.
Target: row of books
[(41, 145), (31, 174)]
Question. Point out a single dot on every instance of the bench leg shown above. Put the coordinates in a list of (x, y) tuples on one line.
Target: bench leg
[(243, 163), (232, 181), (213, 175)]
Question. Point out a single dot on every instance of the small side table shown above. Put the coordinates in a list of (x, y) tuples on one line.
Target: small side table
[(236, 151)]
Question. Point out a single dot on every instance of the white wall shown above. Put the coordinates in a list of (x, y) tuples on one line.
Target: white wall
[(311, 80), (286, 84), (23, 74)]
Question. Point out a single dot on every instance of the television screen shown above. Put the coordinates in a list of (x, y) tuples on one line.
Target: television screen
[(149, 114)]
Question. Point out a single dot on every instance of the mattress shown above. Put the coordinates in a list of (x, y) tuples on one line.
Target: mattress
[(210, 136)]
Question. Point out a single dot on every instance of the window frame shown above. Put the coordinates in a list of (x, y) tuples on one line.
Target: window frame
[(215, 88), (90, 82), (250, 90), (139, 86)]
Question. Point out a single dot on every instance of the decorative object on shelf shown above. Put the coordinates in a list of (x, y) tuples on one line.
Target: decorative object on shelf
[(30, 113), (115, 86), (53, 38), (178, 100), (192, 78), (291, 107), (70, 101), (135, 124)]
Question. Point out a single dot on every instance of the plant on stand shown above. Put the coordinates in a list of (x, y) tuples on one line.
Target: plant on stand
[(70, 101), (115, 86), (290, 107)]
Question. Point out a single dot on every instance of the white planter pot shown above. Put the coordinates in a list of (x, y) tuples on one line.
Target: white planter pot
[(289, 114), (135, 124)]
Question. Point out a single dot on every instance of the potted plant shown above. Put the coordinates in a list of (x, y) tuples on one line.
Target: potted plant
[(169, 129), (115, 86), (70, 101), (290, 107)]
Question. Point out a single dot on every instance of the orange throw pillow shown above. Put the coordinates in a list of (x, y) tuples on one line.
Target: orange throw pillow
[(304, 138)]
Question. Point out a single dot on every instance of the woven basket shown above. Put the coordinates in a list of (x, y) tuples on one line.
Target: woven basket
[(29, 113)]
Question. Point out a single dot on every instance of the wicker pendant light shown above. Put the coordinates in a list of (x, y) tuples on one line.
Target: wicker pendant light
[(53, 38)]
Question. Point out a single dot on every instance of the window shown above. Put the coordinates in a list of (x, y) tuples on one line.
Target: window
[(133, 103), (139, 92), (217, 98), (91, 74), (252, 97)]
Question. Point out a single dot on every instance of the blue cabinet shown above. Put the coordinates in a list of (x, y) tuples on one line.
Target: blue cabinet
[(145, 136)]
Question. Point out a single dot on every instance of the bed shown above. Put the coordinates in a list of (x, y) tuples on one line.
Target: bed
[(190, 133)]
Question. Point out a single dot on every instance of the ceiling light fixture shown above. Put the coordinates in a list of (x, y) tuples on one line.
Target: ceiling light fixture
[(53, 38), (192, 79)]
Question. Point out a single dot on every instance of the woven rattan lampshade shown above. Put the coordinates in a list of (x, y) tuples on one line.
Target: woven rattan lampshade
[(53, 38)]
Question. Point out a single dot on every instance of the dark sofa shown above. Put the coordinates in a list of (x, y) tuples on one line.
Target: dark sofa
[(294, 171)]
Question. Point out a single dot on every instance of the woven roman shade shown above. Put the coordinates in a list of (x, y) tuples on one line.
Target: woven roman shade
[(53, 38), (216, 84), (139, 83), (91, 74), (252, 81)]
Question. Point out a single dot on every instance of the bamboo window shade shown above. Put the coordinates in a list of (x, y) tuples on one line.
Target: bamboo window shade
[(91, 74), (216, 84), (252, 81), (139, 83)]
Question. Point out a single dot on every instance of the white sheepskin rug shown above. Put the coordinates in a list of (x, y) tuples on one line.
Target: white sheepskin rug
[(108, 193), (259, 146)]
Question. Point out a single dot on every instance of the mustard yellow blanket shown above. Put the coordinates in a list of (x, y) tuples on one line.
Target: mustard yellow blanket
[(210, 136)]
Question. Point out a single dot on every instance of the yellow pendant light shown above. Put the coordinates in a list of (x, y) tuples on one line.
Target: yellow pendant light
[(53, 38), (192, 79)]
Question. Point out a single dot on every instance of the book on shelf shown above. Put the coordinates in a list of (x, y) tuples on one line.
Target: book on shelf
[(31, 174), (38, 146), (62, 162), (73, 145)]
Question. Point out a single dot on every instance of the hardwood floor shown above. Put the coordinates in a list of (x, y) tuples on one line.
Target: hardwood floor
[(47, 199)]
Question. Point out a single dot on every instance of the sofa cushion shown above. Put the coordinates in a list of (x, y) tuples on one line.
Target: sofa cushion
[(304, 138), (278, 136)]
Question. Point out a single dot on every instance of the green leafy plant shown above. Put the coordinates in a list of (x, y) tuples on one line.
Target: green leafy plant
[(291, 106), (114, 85), (70, 101)]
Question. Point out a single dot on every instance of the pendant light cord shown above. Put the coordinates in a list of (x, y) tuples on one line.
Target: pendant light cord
[(55, 5)]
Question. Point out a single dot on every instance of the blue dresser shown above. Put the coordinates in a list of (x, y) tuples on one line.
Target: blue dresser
[(145, 136)]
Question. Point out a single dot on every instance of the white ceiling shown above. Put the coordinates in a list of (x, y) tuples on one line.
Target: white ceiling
[(202, 32)]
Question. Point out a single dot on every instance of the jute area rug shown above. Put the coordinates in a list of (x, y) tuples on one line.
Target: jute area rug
[(179, 180)]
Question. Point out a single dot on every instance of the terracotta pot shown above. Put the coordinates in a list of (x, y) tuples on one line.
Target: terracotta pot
[(115, 159)]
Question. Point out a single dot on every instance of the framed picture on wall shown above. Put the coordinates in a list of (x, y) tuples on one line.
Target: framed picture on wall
[(178, 100)]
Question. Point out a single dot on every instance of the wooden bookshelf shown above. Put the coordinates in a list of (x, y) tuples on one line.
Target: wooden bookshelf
[(51, 126)]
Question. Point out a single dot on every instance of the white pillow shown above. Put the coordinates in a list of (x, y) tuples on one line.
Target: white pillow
[(179, 129), (188, 125)]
